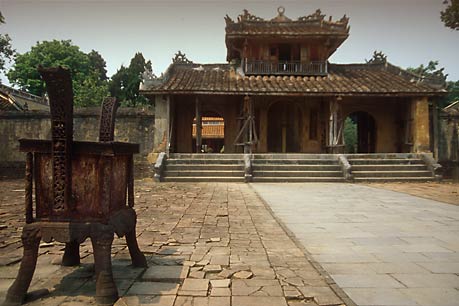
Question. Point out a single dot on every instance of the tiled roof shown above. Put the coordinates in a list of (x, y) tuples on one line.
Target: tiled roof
[(314, 24), (17, 100), (354, 79)]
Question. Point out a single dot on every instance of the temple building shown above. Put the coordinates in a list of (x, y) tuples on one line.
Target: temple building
[(278, 93)]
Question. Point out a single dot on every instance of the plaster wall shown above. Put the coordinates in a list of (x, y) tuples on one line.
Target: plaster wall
[(132, 125)]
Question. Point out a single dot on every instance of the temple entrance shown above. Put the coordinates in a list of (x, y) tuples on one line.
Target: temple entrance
[(284, 126), (360, 133), (212, 133)]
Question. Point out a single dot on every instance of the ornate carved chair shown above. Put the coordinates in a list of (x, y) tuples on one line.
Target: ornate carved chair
[(82, 190)]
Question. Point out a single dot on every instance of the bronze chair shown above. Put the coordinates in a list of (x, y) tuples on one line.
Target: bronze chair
[(82, 190)]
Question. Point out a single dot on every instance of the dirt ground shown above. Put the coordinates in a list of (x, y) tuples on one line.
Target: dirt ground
[(447, 191)]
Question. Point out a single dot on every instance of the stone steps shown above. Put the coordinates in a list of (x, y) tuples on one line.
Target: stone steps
[(295, 168), (291, 179), (202, 161), (203, 179), (394, 179), (204, 168), (293, 173), (204, 173), (391, 173), (385, 161), (390, 167)]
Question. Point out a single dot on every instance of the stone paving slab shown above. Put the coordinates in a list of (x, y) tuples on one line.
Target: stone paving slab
[(207, 244), (381, 247)]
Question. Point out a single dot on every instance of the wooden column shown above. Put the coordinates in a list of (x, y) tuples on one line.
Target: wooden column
[(263, 144), (335, 126), (198, 126), (284, 131)]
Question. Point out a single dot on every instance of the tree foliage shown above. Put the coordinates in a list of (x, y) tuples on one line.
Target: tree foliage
[(124, 84), (450, 16), (98, 64), (6, 50), (350, 135), (87, 70), (431, 71)]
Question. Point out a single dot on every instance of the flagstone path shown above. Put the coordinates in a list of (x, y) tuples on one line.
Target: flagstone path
[(381, 247), (206, 244)]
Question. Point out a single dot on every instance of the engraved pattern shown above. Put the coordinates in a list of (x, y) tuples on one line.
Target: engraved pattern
[(29, 188), (59, 88), (107, 119)]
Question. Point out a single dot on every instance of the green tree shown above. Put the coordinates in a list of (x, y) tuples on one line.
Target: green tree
[(98, 64), (453, 93), (86, 74), (91, 91), (450, 16), (124, 84), (6, 50), (350, 135), (432, 72)]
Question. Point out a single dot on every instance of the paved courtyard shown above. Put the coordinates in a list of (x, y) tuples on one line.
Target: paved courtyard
[(381, 247), (207, 244)]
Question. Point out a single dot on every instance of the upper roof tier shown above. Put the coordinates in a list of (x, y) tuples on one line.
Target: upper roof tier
[(250, 35), (248, 25)]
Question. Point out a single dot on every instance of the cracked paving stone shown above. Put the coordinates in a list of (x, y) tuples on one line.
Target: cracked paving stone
[(165, 273), (193, 235), (220, 283), (243, 275)]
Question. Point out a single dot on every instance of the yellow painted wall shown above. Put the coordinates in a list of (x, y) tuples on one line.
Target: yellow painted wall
[(421, 133)]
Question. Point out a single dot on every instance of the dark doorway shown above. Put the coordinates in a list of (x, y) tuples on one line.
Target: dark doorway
[(284, 128), (285, 52), (212, 133), (360, 133)]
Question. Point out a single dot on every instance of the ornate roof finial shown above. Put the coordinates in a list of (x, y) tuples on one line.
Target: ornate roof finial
[(180, 58), (281, 17), (378, 58)]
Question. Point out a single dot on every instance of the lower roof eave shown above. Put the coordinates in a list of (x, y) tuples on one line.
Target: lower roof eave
[(297, 94)]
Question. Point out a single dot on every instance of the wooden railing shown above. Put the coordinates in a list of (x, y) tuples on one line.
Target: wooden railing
[(284, 67)]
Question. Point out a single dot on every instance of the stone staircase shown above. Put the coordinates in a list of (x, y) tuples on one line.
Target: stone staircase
[(296, 168), (389, 167), (183, 167)]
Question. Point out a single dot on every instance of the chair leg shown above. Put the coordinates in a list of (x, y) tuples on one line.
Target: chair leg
[(71, 254), (106, 291), (16, 294), (137, 257)]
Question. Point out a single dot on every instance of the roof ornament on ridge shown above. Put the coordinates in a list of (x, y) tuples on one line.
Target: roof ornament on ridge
[(281, 17), (149, 79), (378, 58), (180, 58)]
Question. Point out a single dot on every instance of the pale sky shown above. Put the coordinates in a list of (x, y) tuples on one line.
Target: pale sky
[(409, 32)]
